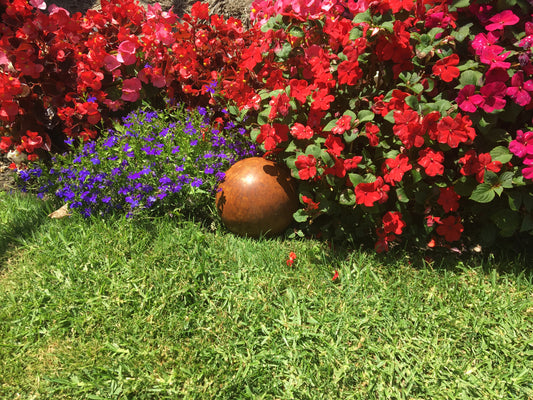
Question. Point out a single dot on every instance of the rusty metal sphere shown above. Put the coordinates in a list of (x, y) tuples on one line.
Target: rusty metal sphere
[(257, 197)]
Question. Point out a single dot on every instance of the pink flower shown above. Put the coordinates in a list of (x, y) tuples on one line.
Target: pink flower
[(111, 63), (164, 34), (467, 99), (126, 52), (502, 19), (517, 91), (493, 96), (40, 4), (130, 89)]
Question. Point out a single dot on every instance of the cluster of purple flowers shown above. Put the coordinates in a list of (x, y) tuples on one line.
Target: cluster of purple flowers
[(151, 161)]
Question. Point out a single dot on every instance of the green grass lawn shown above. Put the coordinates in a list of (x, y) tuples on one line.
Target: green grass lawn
[(167, 309)]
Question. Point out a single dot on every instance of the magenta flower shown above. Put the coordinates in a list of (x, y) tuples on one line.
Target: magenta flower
[(517, 91), (493, 96), (494, 57), (527, 42), (496, 75), (482, 41), (522, 145), (467, 99), (528, 173), (502, 19)]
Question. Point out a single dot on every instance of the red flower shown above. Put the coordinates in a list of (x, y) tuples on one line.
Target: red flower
[(90, 109), (335, 145), (272, 135), (394, 168), (371, 131), (335, 276), (448, 199), (306, 166), (393, 223), (252, 56), (300, 89), (349, 73), (451, 228), (408, 128), (474, 164), (311, 205), (342, 125), (200, 10), (431, 161), (279, 104), (5, 143), (321, 100), (8, 111), (368, 193), (337, 169), (32, 141), (352, 163), (291, 259), (446, 69), (299, 131), (91, 79), (453, 131)]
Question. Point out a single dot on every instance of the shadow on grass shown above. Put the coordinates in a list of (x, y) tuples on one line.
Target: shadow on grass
[(20, 216)]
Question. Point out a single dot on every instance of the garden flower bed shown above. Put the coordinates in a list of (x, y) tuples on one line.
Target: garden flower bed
[(406, 122)]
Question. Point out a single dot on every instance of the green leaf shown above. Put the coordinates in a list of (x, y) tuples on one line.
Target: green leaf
[(262, 118), (362, 17), (470, 77), (347, 197), (460, 3), (527, 224), (390, 117), (483, 193), (285, 51), (401, 195), (506, 180), (443, 106), (515, 200), (296, 31), (463, 32), (412, 102), (272, 23), (464, 187), (507, 221), (501, 154), (365, 116), (349, 136), (300, 215), (330, 125), (491, 178), (314, 150), (356, 179), (351, 114)]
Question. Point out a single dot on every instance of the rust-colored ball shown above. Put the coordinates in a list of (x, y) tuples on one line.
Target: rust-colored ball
[(257, 197)]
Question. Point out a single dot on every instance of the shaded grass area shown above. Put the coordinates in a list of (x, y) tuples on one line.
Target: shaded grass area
[(162, 309), (20, 216)]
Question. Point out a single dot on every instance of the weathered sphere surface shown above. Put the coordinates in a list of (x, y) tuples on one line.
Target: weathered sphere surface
[(257, 197)]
